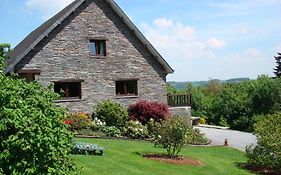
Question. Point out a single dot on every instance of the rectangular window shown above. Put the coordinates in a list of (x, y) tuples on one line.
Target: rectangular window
[(98, 47), (68, 90), (127, 88)]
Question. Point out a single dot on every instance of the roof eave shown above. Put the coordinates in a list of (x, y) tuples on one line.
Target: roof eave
[(10, 67)]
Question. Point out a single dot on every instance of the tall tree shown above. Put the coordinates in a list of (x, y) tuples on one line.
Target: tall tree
[(277, 70)]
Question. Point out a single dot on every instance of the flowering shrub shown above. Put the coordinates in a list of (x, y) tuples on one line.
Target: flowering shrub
[(135, 130), (174, 134), (78, 121), (113, 114), (143, 111), (153, 128), (97, 124)]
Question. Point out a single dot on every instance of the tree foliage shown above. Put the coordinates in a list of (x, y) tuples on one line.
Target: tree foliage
[(4, 50), (267, 153), (237, 105), (33, 138)]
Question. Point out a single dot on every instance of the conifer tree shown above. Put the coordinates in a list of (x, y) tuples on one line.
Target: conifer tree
[(277, 70)]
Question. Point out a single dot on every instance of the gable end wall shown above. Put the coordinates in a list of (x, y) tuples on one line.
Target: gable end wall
[(65, 54)]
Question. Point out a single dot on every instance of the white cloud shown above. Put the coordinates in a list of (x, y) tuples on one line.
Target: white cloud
[(215, 43), (46, 8), (248, 55), (178, 42), (163, 22)]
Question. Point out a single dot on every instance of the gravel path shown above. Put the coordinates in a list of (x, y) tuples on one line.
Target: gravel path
[(236, 139)]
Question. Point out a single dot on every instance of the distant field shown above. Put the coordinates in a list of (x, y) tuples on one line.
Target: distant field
[(121, 158)]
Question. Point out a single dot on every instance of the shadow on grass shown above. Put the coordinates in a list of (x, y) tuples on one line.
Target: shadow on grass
[(259, 170)]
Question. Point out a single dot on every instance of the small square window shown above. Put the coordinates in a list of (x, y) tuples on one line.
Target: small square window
[(98, 47), (127, 88)]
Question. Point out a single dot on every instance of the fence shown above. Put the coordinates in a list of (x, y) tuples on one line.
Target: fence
[(179, 100)]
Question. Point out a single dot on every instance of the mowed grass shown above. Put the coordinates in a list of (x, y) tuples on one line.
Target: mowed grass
[(121, 158)]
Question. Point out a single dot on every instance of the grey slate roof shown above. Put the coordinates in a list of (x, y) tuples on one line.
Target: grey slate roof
[(26, 45)]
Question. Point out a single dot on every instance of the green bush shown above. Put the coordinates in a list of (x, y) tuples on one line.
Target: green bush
[(135, 130), (78, 121), (267, 152), (33, 138), (153, 128), (112, 131), (113, 114), (174, 134), (198, 138)]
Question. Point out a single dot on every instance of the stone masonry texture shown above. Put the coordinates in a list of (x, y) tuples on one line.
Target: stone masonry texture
[(65, 54)]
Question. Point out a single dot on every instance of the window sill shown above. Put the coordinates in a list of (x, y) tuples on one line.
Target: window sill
[(68, 100), (98, 56), (129, 96)]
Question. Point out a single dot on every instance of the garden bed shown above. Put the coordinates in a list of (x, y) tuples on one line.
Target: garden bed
[(177, 160)]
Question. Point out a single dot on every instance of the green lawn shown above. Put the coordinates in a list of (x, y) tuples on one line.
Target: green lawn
[(121, 158)]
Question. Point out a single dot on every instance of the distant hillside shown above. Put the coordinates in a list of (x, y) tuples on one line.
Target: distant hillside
[(183, 85)]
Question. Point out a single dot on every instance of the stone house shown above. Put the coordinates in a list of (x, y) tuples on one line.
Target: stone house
[(91, 51)]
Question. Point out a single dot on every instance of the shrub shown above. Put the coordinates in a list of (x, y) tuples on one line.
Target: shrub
[(33, 138), (135, 130), (97, 124), (198, 138), (174, 134), (153, 128), (267, 152), (202, 121), (143, 111), (112, 131), (78, 121), (113, 114)]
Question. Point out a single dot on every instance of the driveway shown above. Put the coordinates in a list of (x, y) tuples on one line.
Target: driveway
[(236, 139)]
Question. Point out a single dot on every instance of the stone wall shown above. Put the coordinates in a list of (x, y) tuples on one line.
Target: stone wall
[(65, 54), (183, 112)]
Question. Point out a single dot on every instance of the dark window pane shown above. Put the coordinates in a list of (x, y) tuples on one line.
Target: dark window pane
[(60, 88), (120, 88), (131, 87), (68, 89), (102, 48), (126, 88), (74, 89)]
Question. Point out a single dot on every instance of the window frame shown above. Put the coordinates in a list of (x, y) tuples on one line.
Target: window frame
[(97, 43), (125, 83), (69, 87)]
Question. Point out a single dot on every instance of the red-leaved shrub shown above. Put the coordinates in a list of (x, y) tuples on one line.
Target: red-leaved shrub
[(144, 110)]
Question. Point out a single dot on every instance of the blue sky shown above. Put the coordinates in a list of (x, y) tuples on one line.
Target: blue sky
[(200, 39)]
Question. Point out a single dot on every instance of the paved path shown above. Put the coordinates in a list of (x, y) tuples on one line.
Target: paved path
[(236, 139)]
